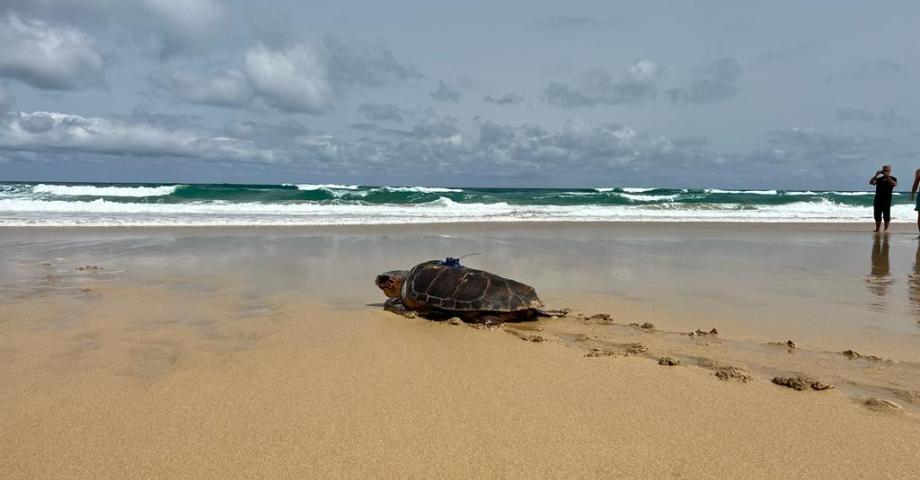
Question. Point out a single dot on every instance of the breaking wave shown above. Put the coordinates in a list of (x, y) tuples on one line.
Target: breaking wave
[(343, 204)]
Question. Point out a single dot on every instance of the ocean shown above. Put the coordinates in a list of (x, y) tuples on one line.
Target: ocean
[(121, 204)]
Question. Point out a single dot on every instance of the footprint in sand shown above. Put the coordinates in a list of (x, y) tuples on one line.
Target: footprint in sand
[(597, 352), (532, 338), (882, 405)]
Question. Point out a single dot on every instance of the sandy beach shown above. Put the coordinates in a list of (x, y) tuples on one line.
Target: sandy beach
[(265, 353)]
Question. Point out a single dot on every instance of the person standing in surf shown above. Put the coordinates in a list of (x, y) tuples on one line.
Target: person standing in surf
[(913, 195), (884, 186)]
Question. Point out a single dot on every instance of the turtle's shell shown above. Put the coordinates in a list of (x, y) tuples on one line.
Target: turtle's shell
[(434, 285)]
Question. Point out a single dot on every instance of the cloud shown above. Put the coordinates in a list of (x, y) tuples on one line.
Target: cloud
[(445, 93), (60, 132), (293, 77), (715, 82), (437, 145), (381, 112), (352, 62), (888, 118), (6, 98), (46, 57), (266, 133), (169, 27), (578, 151), (364, 126), (221, 87), (786, 53), (874, 70), (507, 99), (814, 147), (566, 22), (597, 87), (184, 26)]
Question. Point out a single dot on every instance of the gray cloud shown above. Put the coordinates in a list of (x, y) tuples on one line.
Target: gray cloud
[(352, 62), (814, 147), (874, 70), (504, 150), (381, 112), (364, 126), (47, 57), (445, 93), (431, 126), (597, 87), (87, 12), (6, 98), (266, 133), (787, 53), (565, 22), (143, 114), (169, 27), (218, 87), (183, 26), (715, 82), (435, 145), (888, 118), (59, 132), (507, 99), (293, 77)]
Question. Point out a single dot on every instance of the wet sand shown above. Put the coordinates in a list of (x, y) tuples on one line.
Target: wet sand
[(263, 353)]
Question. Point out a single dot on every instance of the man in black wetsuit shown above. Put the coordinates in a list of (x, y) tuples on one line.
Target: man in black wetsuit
[(884, 185)]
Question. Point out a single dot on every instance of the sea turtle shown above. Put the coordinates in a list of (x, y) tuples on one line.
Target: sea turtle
[(440, 289)]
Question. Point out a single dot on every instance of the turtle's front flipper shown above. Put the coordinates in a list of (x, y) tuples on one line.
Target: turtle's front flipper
[(552, 313), (396, 306)]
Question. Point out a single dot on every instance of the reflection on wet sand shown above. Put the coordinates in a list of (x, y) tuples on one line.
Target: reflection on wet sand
[(913, 284), (879, 278)]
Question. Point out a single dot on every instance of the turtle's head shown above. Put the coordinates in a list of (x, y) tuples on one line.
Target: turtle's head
[(391, 282)]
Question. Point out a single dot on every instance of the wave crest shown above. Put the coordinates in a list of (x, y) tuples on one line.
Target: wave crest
[(94, 191)]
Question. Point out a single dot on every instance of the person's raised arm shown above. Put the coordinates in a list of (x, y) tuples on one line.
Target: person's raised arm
[(874, 177)]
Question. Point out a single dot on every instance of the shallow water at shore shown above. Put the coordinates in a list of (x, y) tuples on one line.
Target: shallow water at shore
[(838, 283)]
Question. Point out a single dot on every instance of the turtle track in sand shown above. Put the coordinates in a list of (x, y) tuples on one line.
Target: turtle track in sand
[(869, 380)]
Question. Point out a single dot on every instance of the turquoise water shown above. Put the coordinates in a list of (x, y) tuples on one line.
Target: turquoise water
[(226, 204)]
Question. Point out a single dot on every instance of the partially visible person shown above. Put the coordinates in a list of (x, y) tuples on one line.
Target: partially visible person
[(913, 195), (884, 186)]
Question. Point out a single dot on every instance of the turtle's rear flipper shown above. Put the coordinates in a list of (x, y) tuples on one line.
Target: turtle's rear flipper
[(551, 313)]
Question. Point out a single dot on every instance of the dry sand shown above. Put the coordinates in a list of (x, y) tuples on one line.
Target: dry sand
[(266, 355)]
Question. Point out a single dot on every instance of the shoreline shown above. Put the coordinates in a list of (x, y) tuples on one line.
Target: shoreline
[(895, 228)]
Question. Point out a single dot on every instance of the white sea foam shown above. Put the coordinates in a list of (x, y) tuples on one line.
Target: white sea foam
[(649, 198), (855, 194), (637, 189), (421, 189), (322, 186), (604, 189), (93, 191), (753, 192), (100, 212)]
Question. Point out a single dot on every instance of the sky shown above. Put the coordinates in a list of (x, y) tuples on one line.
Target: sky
[(738, 94)]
